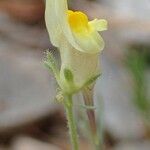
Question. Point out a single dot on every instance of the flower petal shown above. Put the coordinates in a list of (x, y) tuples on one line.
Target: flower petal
[(58, 27), (52, 24), (61, 8), (91, 42), (99, 24)]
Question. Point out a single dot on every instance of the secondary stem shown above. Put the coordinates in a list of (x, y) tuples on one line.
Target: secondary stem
[(71, 122), (88, 100)]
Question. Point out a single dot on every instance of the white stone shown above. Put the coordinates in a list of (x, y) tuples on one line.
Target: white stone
[(114, 87), (27, 143), (27, 90), (145, 145)]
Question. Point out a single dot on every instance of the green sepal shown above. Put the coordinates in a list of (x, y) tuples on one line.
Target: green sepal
[(91, 80), (68, 75)]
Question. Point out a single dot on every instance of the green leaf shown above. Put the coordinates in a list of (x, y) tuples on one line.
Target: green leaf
[(68, 75)]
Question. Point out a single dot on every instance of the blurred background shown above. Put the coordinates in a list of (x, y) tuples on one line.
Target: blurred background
[(30, 119)]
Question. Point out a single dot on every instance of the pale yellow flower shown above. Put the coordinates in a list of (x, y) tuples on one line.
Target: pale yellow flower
[(78, 40)]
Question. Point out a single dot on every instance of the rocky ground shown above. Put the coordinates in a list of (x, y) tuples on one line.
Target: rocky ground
[(30, 119)]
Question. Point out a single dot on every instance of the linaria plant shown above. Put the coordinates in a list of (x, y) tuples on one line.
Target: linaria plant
[(79, 44)]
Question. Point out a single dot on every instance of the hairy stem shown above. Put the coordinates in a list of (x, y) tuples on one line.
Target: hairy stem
[(71, 122)]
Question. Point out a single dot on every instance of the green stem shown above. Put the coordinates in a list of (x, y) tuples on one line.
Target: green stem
[(71, 122)]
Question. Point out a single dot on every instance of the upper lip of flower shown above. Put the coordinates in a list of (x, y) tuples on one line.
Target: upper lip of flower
[(76, 28), (78, 22)]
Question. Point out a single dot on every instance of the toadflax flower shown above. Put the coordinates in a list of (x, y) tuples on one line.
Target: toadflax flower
[(78, 41)]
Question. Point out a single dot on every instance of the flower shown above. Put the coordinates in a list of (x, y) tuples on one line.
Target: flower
[(78, 41)]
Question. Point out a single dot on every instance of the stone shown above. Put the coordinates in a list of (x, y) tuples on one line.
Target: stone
[(130, 8), (27, 90), (114, 88), (145, 145), (27, 143), (3, 148), (134, 27), (130, 21), (34, 36), (29, 11)]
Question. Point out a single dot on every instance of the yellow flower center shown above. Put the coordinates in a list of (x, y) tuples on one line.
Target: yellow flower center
[(78, 21)]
